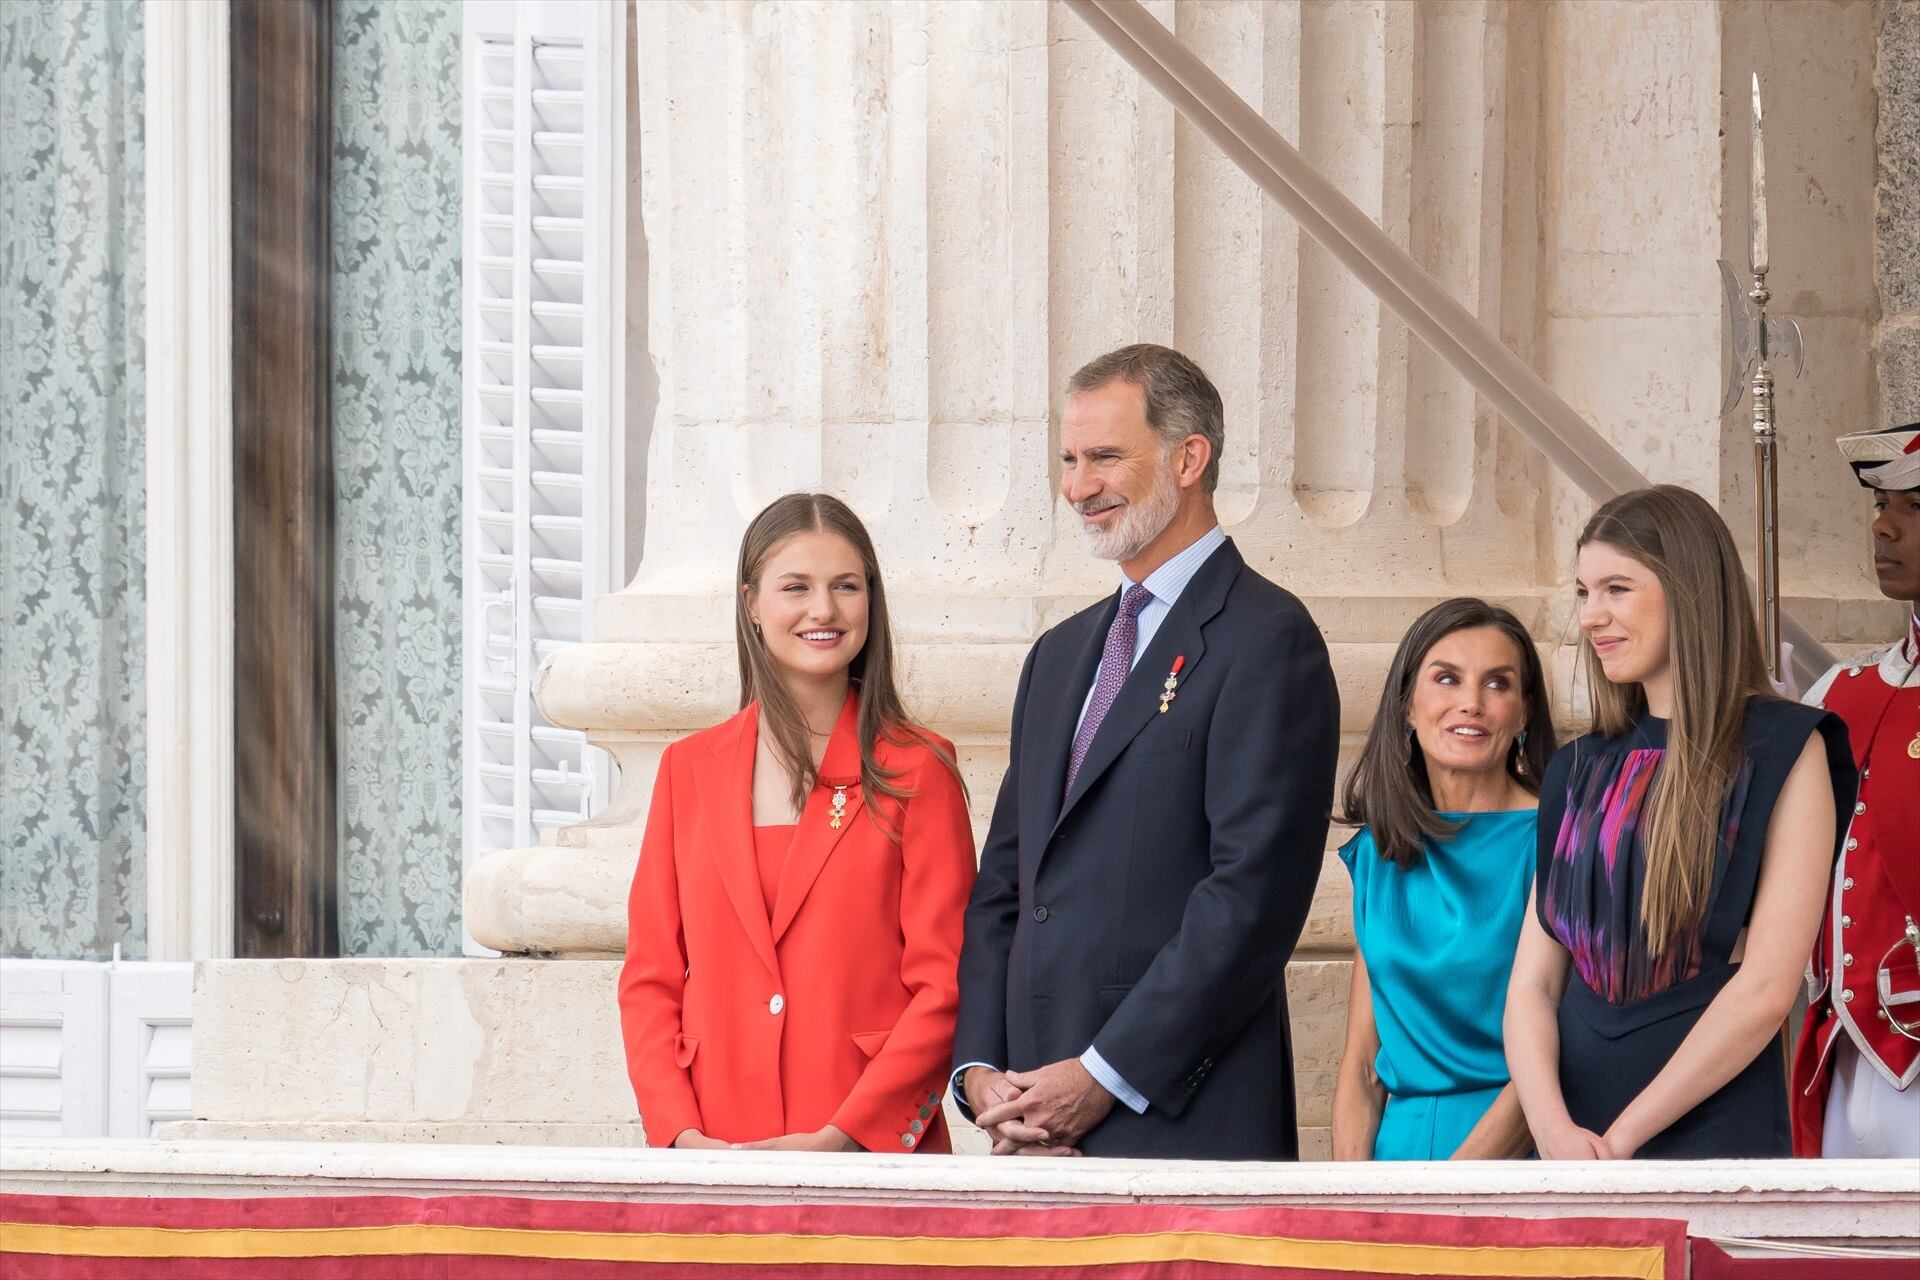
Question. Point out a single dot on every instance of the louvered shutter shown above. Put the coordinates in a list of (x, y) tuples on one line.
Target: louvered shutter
[(544, 103), (150, 1044), (53, 1049)]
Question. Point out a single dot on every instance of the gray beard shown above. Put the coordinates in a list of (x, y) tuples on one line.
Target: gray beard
[(1139, 523)]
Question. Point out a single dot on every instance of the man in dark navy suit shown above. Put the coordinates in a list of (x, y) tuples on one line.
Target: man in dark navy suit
[(1161, 825)]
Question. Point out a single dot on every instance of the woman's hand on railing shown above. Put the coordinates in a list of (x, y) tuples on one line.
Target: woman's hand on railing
[(694, 1140), (827, 1138)]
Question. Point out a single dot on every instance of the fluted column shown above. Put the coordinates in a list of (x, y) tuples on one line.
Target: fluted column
[(881, 236)]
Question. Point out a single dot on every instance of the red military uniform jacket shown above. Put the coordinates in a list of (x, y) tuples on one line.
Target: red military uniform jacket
[(1876, 885)]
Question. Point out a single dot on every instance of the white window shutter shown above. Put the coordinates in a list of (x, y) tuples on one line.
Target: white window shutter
[(53, 1049), (150, 1041), (544, 133)]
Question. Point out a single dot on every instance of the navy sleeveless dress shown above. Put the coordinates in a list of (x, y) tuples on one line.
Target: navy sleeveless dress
[(1626, 1009)]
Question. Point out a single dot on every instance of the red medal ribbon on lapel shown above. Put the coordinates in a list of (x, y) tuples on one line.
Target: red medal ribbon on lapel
[(1172, 686)]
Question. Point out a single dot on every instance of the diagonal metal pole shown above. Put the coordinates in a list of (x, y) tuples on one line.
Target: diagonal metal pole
[(1453, 333)]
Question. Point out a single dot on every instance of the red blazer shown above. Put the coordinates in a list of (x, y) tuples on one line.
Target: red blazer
[(840, 1009)]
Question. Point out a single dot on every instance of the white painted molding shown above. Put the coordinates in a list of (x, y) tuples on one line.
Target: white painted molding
[(613, 160), (189, 484), (1869, 1202)]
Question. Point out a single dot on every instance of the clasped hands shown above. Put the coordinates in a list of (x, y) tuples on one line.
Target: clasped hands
[(1043, 1112), (1571, 1142)]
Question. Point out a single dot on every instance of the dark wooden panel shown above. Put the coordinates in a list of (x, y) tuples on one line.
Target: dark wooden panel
[(285, 892)]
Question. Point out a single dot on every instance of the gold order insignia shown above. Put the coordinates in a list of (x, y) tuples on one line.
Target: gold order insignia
[(839, 810), (1172, 685)]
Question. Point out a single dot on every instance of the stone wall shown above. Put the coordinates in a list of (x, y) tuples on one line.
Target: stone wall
[(1897, 212), (1815, 63), (923, 217)]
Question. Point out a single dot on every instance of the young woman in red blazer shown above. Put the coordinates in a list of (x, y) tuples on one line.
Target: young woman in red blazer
[(795, 923)]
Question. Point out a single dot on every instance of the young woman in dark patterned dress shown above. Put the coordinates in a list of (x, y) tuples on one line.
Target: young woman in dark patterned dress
[(1684, 851)]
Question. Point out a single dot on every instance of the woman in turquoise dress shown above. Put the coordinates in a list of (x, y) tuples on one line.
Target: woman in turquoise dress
[(1444, 792)]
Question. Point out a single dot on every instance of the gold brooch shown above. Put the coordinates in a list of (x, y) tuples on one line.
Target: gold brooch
[(839, 810)]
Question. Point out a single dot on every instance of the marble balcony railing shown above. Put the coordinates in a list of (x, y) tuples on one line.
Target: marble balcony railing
[(1860, 1203)]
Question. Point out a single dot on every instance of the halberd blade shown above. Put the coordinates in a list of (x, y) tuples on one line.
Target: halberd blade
[(1784, 347), (1740, 338)]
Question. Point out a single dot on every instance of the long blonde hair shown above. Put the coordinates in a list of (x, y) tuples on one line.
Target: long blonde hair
[(1713, 647)]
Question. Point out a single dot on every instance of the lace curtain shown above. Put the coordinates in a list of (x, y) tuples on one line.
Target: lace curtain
[(72, 481), (396, 442)]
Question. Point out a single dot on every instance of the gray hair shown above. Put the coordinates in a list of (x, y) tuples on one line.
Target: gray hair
[(1180, 400)]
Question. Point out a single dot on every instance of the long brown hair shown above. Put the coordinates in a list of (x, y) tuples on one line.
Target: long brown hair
[(881, 712), (1713, 647), (1388, 790)]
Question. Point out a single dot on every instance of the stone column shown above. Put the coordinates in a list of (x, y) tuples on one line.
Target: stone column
[(1897, 345), (1644, 156), (881, 237)]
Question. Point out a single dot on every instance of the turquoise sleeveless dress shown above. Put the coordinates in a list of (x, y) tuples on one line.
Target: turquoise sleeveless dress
[(1438, 939)]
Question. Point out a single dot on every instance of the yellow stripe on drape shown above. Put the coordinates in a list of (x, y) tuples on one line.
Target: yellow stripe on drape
[(1010, 1253)]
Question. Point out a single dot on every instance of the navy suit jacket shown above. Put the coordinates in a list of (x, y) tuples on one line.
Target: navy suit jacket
[(1151, 912)]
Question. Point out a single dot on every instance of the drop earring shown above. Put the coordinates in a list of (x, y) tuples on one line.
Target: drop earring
[(1520, 754), (1406, 743)]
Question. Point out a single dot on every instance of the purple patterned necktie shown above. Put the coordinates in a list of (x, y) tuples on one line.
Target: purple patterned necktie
[(1115, 661)]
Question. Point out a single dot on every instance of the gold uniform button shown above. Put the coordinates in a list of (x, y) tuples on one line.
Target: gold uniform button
[(1846, 959)]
